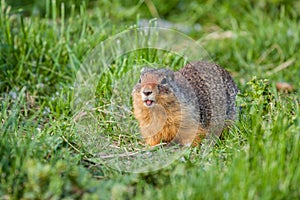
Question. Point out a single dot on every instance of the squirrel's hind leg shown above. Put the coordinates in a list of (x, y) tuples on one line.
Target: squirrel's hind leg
[(199, 137)]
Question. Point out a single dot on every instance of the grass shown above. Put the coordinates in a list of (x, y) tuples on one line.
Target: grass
[(44, 154)]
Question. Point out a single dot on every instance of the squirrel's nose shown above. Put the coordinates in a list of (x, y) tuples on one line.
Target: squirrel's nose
[(147, 92)]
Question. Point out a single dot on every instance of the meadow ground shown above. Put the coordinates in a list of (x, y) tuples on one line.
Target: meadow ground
[(44, 43)]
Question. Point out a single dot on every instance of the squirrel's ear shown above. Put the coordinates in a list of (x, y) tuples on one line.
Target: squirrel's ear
[(170, 74)]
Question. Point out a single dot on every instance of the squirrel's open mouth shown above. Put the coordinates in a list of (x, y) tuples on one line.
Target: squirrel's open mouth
[(149, 103)]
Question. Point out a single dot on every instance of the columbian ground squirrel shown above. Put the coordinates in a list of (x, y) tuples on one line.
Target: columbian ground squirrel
[(183, 106)]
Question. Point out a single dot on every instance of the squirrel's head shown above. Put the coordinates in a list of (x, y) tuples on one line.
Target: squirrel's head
[(154, 86)]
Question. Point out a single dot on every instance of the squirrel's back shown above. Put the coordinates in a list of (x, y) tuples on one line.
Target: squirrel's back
[(178, 106), (215, 90)]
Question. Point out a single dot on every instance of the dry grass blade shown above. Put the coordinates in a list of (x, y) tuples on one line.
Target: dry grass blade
[(282, 66)]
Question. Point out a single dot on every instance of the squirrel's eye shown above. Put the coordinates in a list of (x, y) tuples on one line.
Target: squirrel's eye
[(140, 81), (163, 81)]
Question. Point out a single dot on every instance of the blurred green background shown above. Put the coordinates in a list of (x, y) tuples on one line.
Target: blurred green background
[(43, 44)]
